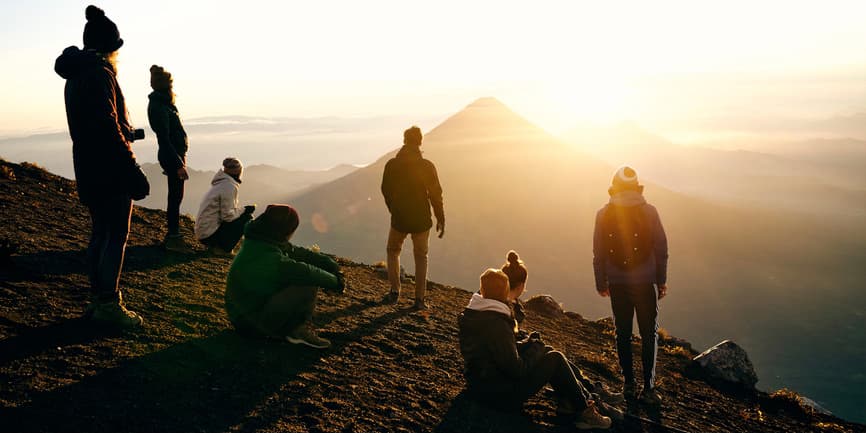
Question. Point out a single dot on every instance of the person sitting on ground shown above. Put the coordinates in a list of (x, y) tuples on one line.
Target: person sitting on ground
[(496, 372), (517, 274), (272, 285), (220, 221)]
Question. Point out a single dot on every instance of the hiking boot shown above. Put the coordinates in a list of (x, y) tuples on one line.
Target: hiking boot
[(305, 335), (391, 298), (629, 390), (175, 244), (610, 411), (590, 419), (420, 305), (651, 397), (115, 313), (607, 396)]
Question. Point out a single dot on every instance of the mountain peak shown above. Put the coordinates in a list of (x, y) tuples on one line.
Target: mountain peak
[(487, 102)]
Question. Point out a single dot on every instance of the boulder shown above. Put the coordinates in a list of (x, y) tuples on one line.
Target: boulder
[(729, 363), (544, 305)]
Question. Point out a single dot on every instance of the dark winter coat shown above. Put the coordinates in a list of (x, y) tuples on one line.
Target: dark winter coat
[(98, 125), (170, 135), (654, 270), (491, 360), (410, 186), (263, 268)]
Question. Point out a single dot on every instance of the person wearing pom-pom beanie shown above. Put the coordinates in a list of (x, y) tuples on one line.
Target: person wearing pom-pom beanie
[(165, 121), (630, 260), (106, 173)]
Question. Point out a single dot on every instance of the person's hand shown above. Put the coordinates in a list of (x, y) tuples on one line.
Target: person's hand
[(182, 174), (663, 290), (440, 228), (604, 292), (249, 209)]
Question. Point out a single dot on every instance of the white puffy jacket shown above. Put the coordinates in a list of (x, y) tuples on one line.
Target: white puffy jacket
[(219, 205)]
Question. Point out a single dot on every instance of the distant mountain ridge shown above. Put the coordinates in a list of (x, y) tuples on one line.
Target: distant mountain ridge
[(261, 184)]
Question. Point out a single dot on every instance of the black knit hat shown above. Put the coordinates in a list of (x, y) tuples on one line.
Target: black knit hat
[(277, 223), (100, 33)]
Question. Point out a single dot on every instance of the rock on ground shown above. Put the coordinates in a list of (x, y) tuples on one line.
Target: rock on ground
[(728, 362)]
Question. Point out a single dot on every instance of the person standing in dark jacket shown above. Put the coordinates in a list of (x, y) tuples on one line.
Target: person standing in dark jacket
[(499, 373), (630, 259), (170, 136), (410, 187), (105, 167)]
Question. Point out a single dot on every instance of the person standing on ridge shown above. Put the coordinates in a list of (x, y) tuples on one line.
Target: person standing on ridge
[(220, 221), (164, 120), (107, 175), (630, 259), (410, 187)]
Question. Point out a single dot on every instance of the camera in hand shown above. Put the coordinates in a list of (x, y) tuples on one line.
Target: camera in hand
[(138, 134)]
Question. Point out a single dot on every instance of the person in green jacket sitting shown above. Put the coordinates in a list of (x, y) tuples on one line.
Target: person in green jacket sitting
[(272, 285)]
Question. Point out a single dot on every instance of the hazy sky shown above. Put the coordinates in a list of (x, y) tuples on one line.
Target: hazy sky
[(556, 62)]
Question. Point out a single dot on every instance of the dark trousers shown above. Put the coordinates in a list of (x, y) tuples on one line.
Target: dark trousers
[(110, 229), (281, 314), (554, 368), (228, 234), (626, 300), (175, 197)]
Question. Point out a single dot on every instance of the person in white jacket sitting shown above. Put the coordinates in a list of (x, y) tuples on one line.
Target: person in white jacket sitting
[(220, 221)]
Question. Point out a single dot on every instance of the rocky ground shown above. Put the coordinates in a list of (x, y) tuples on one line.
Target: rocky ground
[(390, 368)]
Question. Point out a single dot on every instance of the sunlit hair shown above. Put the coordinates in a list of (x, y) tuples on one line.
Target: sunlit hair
[(514, 269), (412, 136), (494, 285), (111, 58)]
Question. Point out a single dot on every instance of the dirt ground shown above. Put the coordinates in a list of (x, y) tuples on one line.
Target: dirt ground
[(390, 368)]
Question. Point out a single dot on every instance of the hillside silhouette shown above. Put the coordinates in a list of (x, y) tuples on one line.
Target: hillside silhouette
[(391, 369)]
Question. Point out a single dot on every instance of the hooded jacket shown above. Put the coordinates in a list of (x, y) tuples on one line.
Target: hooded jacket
[(170, 135), (220, 204), (262, 268), (98, 125), (487, 343), (410, 186), (654, 270)]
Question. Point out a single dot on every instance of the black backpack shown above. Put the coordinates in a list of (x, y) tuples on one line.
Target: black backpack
[(627, 236)]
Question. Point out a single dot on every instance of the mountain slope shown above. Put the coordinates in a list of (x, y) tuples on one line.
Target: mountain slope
[(779, 282), (262, 184), (389, 370)]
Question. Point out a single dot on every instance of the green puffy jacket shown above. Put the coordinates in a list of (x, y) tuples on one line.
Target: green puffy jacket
[(262, 268)]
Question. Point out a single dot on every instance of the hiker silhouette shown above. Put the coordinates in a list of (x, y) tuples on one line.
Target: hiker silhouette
[(410, 186), (630, 256), (107, 175)]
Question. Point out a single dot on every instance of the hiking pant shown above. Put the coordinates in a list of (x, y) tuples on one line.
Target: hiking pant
[(626, 300), (553, 367), (228, 234), (175, 196), (420, 242), (109, 217), (281, 314)]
